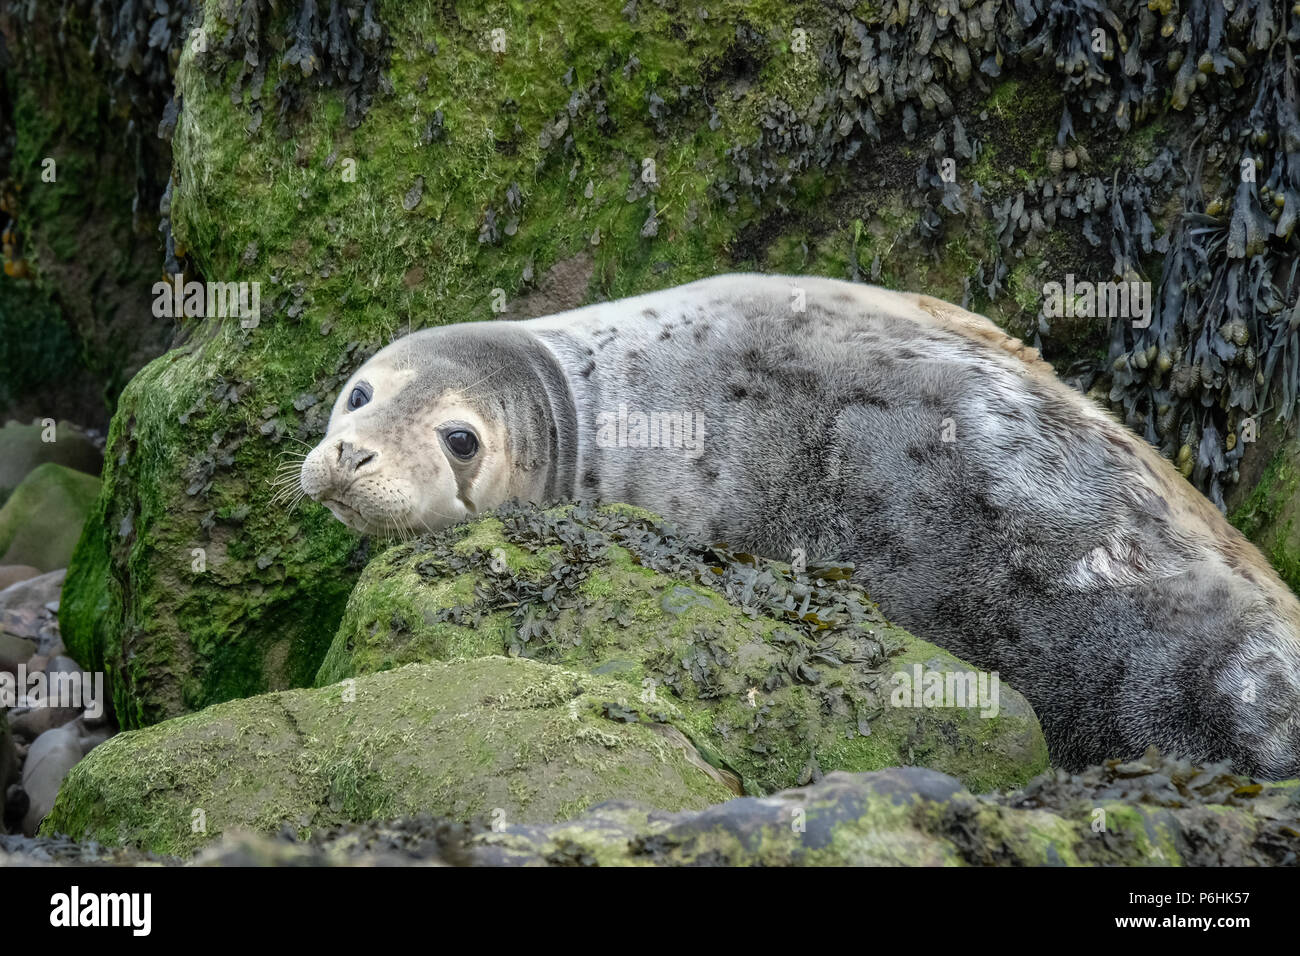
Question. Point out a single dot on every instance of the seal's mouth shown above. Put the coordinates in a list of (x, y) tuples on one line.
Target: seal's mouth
[(344, 512), (367, 523)]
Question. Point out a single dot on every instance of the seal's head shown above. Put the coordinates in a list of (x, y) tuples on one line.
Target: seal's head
[(435, 427)]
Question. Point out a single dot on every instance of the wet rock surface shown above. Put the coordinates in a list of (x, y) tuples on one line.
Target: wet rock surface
[(1152, 811)]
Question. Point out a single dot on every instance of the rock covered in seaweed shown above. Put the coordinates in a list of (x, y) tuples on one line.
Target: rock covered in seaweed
[(779, 676), (1153, 811), (645, 668)]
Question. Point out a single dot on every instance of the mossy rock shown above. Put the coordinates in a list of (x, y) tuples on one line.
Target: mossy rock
[(903, 816), (42, 520), (1269, 512), (778, 676), (22, 448), (1154, 811), (509, 740)]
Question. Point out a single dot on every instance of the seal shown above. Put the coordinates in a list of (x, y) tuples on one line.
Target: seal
[(986, 506)]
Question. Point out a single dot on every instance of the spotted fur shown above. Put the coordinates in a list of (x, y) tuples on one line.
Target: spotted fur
[(987, 506)]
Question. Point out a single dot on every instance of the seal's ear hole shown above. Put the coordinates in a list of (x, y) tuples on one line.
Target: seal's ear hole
[(360, 395), (460, 441)]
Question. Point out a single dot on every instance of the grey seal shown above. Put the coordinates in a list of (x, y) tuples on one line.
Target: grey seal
[(986, 506)]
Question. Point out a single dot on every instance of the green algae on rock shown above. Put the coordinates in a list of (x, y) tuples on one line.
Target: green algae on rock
[(506, 739), (42, 520), (1154, 811), (188, 586), (778, 676)]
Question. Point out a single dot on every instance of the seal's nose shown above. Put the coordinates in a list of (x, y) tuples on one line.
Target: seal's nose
[(352, 459)]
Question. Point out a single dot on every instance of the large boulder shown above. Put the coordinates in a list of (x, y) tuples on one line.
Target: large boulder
[(640, 667), (510, 740), (779, 675), (41, 522)]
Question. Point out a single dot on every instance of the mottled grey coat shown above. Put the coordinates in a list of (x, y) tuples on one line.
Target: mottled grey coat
[(987, 506)]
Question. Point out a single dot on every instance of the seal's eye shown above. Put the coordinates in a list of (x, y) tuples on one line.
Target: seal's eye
[(360, 396), (463, 443)]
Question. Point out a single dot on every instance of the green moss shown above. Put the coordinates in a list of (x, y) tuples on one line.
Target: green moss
[(519, 740), (1268, 515), (192, 589), (42, 520), (668, 637)]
